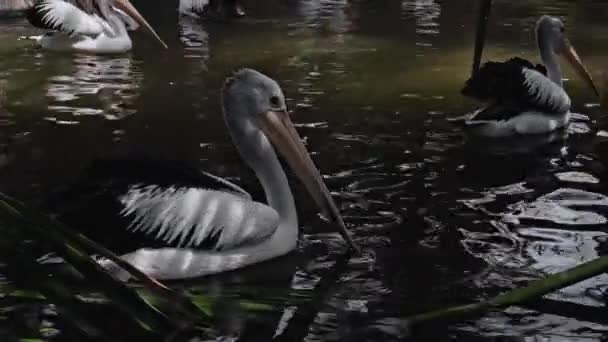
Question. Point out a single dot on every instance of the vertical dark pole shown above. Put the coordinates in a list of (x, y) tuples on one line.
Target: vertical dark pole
[(480, 32), (604, 90)]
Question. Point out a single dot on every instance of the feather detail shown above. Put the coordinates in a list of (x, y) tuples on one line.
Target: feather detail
[(544, 94), (517, 85), (193, 218), (63, 16), (152, 204)]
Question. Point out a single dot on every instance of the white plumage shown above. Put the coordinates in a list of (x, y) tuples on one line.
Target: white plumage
[(545, 93), (187, 217), (70, 19), (529, 122)]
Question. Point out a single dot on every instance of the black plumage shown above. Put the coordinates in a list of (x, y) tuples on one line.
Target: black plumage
[(515, 86), (500, 81), (35, 15)]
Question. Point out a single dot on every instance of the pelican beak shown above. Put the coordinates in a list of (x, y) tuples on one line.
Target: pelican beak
[(280, 130), (572, 57), (127, 7)]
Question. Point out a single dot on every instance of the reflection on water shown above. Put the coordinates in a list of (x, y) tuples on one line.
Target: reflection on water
[(195, 38), (449, 218), (7, 121), (425, 13), (96, 85), (333, 16)]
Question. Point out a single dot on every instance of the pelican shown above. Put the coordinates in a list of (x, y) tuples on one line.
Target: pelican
[(196, 224), (525, 98), (93, 26)]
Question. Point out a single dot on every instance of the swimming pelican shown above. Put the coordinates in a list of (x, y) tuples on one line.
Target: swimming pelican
[(524, 98), (182, 224), (95, 26)]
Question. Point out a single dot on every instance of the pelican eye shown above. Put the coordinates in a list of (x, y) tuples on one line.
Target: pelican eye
[(275, 102)]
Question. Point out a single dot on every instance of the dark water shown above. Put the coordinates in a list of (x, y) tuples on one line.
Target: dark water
[(451, 219)]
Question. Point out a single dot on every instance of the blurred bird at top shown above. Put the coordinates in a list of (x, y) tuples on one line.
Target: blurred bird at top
[(212, 8), (94, 26)]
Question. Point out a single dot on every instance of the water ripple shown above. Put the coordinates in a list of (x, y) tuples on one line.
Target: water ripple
[(98, 85)]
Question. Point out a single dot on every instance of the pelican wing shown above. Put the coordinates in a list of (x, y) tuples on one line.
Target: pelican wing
[(196, 217), (64, 16), (515, 86), (128, 204)]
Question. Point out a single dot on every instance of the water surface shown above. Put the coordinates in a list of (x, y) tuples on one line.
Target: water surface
[(450, 219)]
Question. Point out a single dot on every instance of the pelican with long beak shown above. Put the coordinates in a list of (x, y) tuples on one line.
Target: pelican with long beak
[(176, 224), (525, 98), (93, 26)]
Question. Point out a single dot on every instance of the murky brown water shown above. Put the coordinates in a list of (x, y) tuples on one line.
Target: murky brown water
[(451, 219)]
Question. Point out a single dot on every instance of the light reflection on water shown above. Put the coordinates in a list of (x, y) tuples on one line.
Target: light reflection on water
[(449, 218), (195, 38), (111, 84)]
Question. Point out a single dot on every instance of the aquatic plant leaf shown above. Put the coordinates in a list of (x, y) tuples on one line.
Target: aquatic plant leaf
[(253, 306), (534, 291), (67, 247)]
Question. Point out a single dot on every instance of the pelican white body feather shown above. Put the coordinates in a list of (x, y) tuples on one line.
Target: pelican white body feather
[(189, 216), (529, 122), (71, 18), (54, 41), (248, 232)]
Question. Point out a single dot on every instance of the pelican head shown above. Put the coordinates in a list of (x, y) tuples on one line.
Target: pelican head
[(131, 11), (256, 114), (551, 39)]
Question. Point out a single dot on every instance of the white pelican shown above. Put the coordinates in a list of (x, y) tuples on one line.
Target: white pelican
[(523, 98), (179, 224), (95, 26)]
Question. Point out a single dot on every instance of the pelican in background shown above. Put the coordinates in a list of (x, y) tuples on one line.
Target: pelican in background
[(179, 224), (94, 26), (220, 8), (525, 98)]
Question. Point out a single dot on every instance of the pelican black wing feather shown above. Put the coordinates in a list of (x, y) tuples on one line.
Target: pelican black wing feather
[(519, 85), (67, 16), (163, 173), (131, 204), (35, 16)]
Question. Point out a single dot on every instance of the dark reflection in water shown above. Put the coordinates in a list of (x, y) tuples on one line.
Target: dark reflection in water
[(450, 219)]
